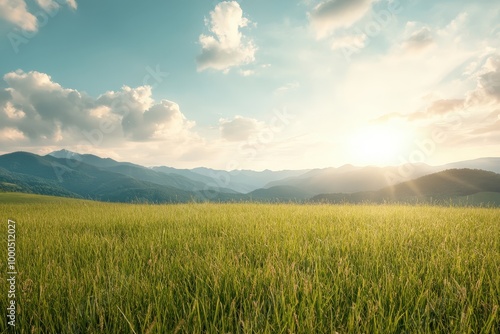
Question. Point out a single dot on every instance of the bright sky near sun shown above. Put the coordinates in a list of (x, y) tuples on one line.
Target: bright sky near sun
[(252, 84)]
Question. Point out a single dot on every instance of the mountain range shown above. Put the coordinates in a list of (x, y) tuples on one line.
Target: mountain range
[(454, 185), (69, 174)]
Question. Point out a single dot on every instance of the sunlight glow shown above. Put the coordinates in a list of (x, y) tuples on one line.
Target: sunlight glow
[(378, 144)]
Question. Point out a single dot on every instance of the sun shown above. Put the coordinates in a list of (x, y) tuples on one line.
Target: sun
[(378, 144)]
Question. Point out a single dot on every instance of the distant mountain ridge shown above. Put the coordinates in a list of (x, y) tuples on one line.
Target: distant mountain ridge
[(64, 173), (442, 186), (87, 181), (351, 179), (196, 179), (489, 164)]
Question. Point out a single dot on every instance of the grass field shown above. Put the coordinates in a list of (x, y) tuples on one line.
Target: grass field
[(87, 267)]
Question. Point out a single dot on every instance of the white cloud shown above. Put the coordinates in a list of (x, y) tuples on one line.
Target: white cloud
[(46, 113), (162, 121), (16, 12), (12, 112), (239, 128), (228, 47), (330, 15), (143, 119), (72, 4), (31, 81), (488, 82), (49, 5), (11, 134)]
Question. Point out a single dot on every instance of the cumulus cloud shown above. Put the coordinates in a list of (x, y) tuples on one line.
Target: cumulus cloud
[(227, 47), (45, 106), (17, 13), (41, 111), (489, 80), (162, 121), (239, 128), (330, 15)]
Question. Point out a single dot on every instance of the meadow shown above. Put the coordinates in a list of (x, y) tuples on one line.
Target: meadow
[(89, 267)]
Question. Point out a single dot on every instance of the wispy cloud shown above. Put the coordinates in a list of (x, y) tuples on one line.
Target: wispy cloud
[(288, 87), (48, 5), (468, 120), (349, 41), (330, 15)]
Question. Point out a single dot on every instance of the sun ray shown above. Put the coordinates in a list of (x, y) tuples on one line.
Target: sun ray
[(378, 145)]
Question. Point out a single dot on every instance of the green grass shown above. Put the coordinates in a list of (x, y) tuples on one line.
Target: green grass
[(87, 267), (22, 198)]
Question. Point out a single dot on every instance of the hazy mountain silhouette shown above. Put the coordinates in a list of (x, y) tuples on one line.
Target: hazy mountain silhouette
[(438, 187), (64, 173), (135, 171), (351, 179), (245, 181)]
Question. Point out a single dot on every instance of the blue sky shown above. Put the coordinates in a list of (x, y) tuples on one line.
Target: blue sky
[(252, 84)]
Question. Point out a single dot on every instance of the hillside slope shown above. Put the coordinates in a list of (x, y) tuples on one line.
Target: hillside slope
[(442, 186), (350, 179), (70, 178)]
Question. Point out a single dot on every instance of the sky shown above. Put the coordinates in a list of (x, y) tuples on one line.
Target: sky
[(252, 84)]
